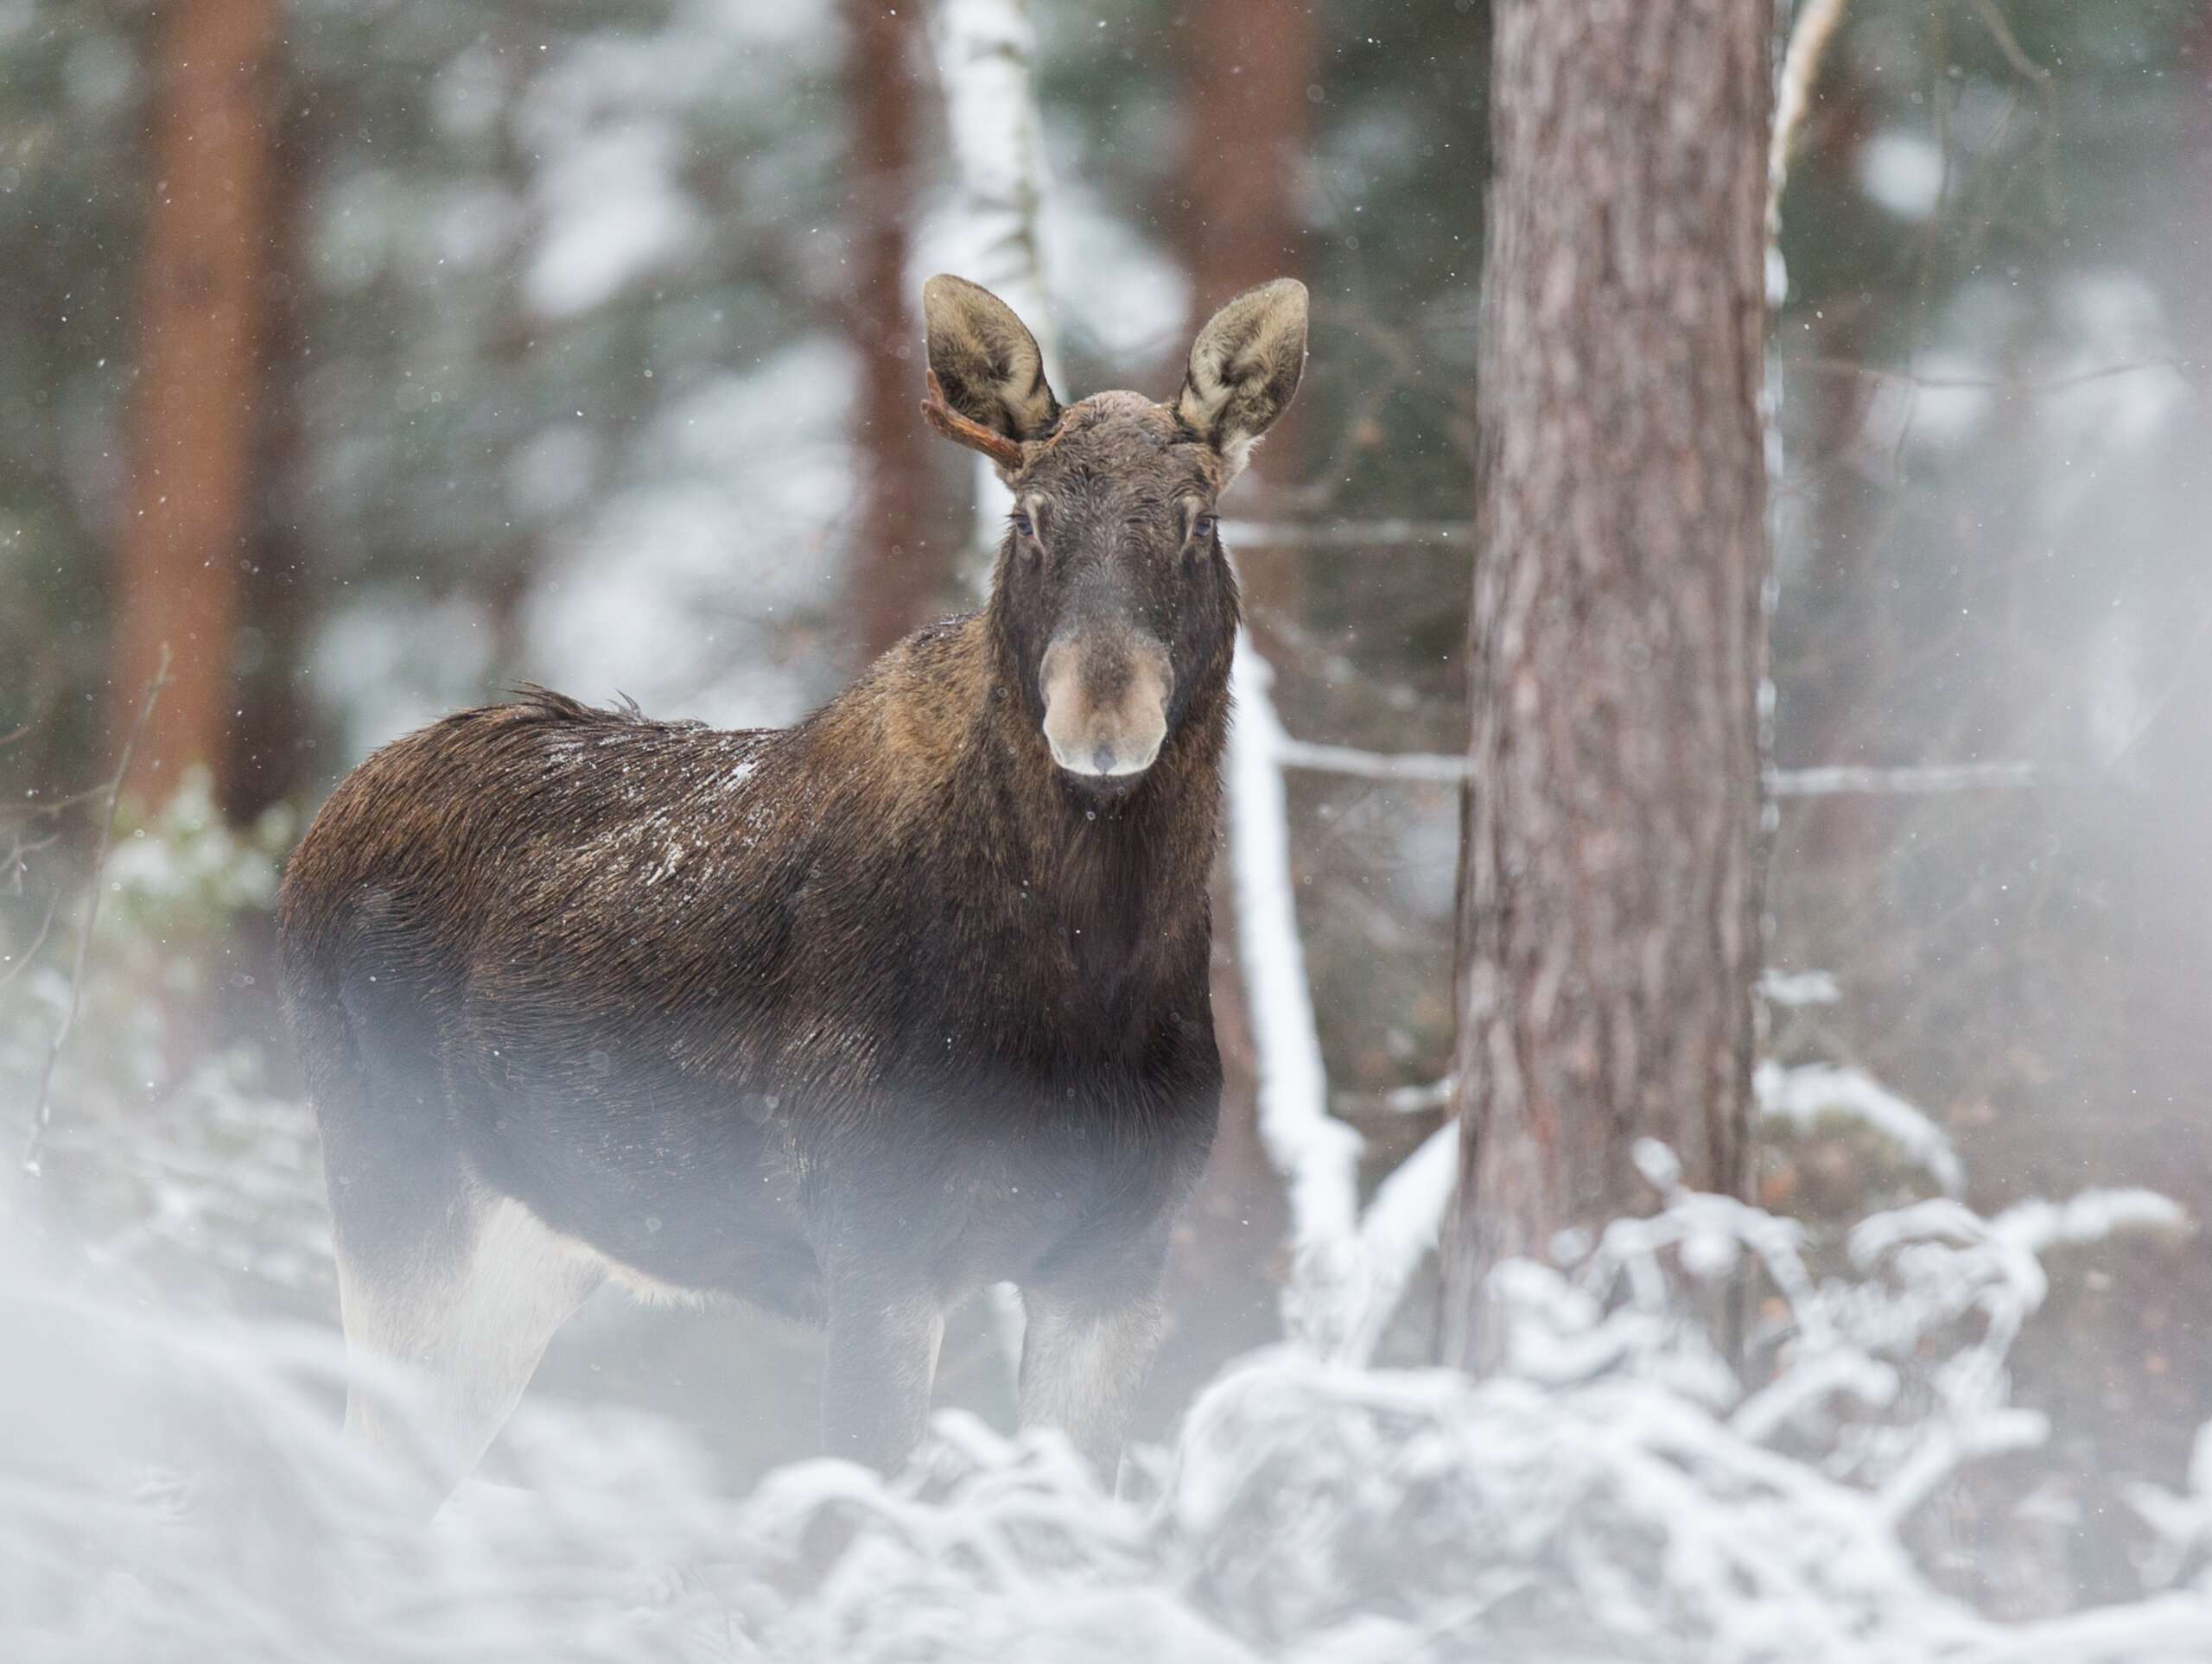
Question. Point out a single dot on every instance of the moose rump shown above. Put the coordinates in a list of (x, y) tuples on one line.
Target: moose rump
[(846, 1019)]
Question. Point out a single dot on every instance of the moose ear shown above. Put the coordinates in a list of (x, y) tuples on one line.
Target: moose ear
[(986, 361), (1245, 367)]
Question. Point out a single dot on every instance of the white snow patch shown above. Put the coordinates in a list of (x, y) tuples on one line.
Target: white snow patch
[(1903, 172), (1795, 989), (611, 212), (2094, 1216)]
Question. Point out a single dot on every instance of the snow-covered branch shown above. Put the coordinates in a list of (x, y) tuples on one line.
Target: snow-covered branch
[(1812, 1094), (1910, 780), (1913, 780), (1371, 765), (1343, 534), (1347, 1273), (1317, 1154)]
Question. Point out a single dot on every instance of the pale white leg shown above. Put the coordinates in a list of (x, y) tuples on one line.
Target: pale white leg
[(465, 1338), (1081, 1366)]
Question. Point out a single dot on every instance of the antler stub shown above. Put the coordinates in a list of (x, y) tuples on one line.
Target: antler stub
[(1006, 452)]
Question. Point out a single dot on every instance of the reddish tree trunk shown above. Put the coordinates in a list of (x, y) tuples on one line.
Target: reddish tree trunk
[(898, 574), (195, 427), (1251, 63), (1609, 874)]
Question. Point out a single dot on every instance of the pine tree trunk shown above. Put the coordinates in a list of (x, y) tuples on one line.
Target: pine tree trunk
[(194, 426), (1609, 922), (898, 574)]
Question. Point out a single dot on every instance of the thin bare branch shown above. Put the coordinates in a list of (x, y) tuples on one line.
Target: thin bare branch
[(42, 1103), (1999, 383), (1436, 766), (2009, 43), (1399, 1100), (45, 926)]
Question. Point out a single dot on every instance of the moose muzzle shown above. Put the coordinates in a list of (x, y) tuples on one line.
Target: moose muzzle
[(1105, 704)]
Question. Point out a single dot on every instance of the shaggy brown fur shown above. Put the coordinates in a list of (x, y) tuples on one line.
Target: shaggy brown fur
[(847, 1018)]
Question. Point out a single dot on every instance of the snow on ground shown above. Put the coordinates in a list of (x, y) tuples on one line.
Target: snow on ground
[(171, 1489)]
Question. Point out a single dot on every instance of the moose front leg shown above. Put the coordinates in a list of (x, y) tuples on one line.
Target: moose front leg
[(881, 1364), (1083, 1359)]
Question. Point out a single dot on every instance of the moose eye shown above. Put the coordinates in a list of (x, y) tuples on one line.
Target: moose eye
[(1023, 526), (1202, 528)]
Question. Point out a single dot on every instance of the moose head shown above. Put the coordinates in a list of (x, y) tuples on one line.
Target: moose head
[(1112, 597)]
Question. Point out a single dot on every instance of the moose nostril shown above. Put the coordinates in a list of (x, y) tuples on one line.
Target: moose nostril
[(1105, 759)]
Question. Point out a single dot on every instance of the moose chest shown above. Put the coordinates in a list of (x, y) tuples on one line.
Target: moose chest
[(1044, 1079)]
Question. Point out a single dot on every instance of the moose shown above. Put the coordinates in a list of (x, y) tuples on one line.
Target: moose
[(846, 1019)]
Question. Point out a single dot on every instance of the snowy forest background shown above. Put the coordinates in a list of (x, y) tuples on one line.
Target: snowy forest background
[(587, 354)]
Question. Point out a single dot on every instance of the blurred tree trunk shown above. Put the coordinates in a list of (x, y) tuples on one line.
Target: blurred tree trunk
[(898, 573), (1610, 883), (194, 423), (1250, 63), (273, 735)]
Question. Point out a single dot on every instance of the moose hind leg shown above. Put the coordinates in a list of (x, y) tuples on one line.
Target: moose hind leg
[(1083, 1363), (443, 1343)]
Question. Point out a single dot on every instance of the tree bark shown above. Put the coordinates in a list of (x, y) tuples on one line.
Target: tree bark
[(1611, 885), (194, 428), (897, 573)]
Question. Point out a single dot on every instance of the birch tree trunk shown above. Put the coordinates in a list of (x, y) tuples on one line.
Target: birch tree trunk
[(193, 420), (986, 57), (1610, 886)]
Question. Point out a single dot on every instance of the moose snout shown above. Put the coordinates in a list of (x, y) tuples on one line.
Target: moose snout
[(1105, 705)]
